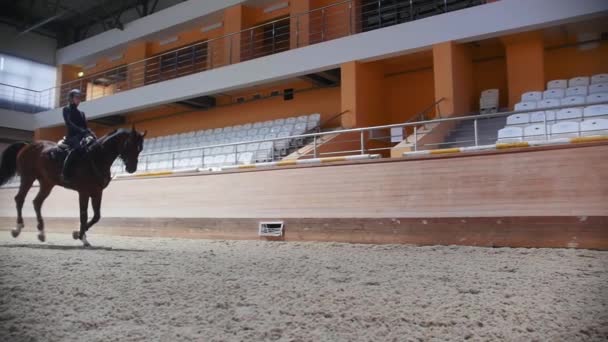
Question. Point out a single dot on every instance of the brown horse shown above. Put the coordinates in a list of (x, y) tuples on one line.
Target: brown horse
[(91, 175)]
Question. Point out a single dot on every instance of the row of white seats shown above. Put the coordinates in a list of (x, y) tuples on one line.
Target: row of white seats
[(575, 113), (566, 101), (577, 81), (557, 130), (308, 121), (226, 138), (204, 152), (216, 161), (560, 93)]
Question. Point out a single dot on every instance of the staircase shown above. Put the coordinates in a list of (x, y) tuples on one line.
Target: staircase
[(464, 133)]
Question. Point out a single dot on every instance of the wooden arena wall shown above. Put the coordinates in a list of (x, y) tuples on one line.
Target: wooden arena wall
[(546, 197)]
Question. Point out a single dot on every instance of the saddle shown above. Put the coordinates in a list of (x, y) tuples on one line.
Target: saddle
[(61, 151)]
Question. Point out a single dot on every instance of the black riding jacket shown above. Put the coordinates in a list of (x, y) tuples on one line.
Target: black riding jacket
[(75, 122)]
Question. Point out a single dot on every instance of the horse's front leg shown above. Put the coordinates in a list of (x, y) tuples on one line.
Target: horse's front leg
[(83, 199), (96, 203)]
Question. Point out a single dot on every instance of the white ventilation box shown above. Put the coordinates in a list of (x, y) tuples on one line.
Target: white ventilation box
[(271, 228)]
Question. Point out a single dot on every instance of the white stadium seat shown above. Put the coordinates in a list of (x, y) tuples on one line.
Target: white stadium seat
[(490, 93), (253, 147), (573, 100), (599, 78), (532, 96), (291, 120), (258, 125), (569, 114), (577, 91), (554, 94), (264, 130), (518, 119), (510, 134), (536, 132), (528, 105), (565, 129), (278, 122), (548, 115), (246, 126), (594, 127), (299, 128), (302, 118), (287, 128), (578, 81), (595, 111), (597, 98), (245, 158), (598, 88), (268, 123), (548, 103), (557, 84)]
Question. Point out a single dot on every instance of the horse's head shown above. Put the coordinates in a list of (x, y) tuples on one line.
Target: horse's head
[(132, 147)]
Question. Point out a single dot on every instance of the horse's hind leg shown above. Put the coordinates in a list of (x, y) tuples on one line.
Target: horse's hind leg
[(45, 190), (24, 188)]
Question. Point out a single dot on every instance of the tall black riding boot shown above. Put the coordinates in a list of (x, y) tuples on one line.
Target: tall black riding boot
[(66, 173)]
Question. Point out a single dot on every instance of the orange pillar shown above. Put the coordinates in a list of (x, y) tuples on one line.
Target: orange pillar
[(233, 22), (134, 56), (300, 23), (453, 75), (362, 95), (525, 64)]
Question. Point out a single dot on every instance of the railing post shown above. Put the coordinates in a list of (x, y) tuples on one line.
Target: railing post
[(545, 123), (274, 36), (173, 160), (475, 131), (314, 145), (350, 18), (415, 138), (362, 142), (297, 31), (323, 24), (251, 44), (380, 13), (229, 50)]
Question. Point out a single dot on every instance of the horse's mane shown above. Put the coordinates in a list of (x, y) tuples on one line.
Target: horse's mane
[(113, 134)]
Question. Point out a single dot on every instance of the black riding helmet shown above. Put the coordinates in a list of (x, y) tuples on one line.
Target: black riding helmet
[(74, 93)]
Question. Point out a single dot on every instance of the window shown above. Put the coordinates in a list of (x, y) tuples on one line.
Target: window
[(20, 81), (24, 73)]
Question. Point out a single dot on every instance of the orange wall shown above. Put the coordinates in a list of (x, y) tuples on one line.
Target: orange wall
[(408, 94), (323, 101), (490, 74), (525, 64), (568, 62)]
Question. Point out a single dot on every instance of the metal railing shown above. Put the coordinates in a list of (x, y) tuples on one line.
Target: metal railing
[(322, 24), (365, 135), (23, 99)]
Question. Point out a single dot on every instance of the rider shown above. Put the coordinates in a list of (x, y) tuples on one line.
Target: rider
[(78, 134)]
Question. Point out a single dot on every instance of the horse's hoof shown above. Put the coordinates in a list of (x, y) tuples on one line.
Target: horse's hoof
[(42, 237), (15, 233), (86, 244), (76, 235)]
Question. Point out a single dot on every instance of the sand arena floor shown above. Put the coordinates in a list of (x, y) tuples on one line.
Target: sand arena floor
[(137, 289)]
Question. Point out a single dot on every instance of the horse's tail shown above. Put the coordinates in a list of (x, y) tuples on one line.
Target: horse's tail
[(8, 165)]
